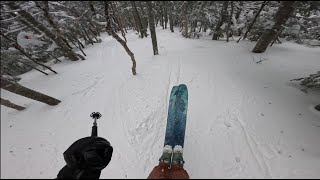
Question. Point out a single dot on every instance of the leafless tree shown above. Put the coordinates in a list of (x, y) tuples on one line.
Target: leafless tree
[(11, 105), (110, 29), (152, 28), (254, 20), (281, 17), (29, 93), (223, 18)]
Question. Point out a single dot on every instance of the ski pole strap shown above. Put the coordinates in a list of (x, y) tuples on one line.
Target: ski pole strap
[(94, 131)]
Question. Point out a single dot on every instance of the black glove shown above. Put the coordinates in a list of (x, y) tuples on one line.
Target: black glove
[(86, 158)]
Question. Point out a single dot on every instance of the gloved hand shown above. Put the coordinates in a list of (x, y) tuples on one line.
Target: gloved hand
[(86, 158)]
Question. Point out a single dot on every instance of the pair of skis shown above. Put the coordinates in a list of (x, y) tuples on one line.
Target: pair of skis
[(176, 126)]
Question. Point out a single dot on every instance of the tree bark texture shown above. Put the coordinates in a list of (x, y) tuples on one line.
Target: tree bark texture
[(29, 93), (171, 16), (165, 10), (11, 105), (185, 18), (254, 19), (223, 18), (281, 17), (115, 35), (239, 10), (152, 28), (144, 18), (119, 19), (59, 39), (27, 24), (229, 22), (138, 19), (161, 14)]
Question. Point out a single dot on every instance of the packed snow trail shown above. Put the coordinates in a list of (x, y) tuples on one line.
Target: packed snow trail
[(245, 119)]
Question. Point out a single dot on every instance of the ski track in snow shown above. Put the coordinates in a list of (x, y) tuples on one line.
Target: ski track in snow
[(237, 135), (232, 131)]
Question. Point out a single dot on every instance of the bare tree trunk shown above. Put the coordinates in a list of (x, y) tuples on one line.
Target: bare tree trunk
[(193, 26), (229, 22), (185, 18), (144, 18), (59, 39), (124, 44), (95, 34), (222, 19), (33, 60), (254, 20), (239, 10), (238, 16), (165, 5), (49, 53), (125, 24), (27, 24), (171, 16), (32, 67), (11, 105), (205, 27), (281, 17), (86, 34), (26, 92), (138, 19), (67, 52), (92, 8), (119, 19), (161, 14), (276, 36), (114, 35), (135, 25), (152, 28)]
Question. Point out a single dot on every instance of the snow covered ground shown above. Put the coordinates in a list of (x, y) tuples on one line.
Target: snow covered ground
[(245, 119)]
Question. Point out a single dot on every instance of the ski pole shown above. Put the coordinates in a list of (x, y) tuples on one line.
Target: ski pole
[(95, 116)]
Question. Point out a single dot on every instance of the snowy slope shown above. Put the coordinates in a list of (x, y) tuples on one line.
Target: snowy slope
[(245, 119)]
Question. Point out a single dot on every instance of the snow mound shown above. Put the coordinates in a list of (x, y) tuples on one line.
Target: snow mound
[(28, 40)]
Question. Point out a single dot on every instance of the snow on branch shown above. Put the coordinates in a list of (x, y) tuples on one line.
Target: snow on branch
[(10, 19), (78, 18), (312, 81), (15, 30), (56, 3), (63, 14), (100, 23)]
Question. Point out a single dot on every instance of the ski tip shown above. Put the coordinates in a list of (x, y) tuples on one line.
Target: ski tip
[(174, 89), (183, 90), (183, 86)]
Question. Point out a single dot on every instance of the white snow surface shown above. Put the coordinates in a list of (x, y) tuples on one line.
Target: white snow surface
[(245, 119)]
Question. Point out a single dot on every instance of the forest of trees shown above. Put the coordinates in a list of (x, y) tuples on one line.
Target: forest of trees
[(35, 32)]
